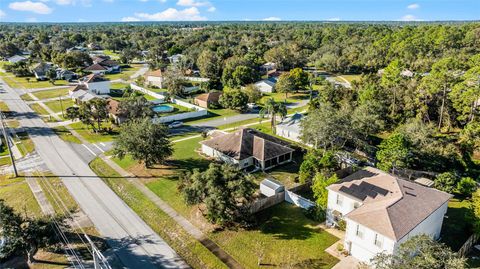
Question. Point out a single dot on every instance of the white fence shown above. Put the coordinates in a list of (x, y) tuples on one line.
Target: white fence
[(145, 91), (199, 111), (298, 200)]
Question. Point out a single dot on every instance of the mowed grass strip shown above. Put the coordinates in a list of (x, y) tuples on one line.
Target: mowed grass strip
[(19, 196), (194, 253), (47, 94), (57, 105)]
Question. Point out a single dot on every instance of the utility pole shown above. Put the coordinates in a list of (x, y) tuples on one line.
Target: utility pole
[(8, 145)]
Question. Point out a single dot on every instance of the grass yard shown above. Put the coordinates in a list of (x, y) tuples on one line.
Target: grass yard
[(19, 196), (195, 254), (21, 82), (118, 86), (125, 73), (280, 97), (92, 137), (47, 94), (66, 135), (26, 97), (25, 145), (39, 109), (56, 183), (350, 78), (285, 237), (456, 229), (3, 107), (57, 105)]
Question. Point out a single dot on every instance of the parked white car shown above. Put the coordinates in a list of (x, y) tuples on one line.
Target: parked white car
[(175, 124)]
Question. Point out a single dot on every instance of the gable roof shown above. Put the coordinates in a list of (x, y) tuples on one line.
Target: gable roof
[(112, 106), (391, 206), (266, 81), (95, 67), (154, 73), (248, 142), (92, 78), (209, 97), (109, 63), (16, 59)]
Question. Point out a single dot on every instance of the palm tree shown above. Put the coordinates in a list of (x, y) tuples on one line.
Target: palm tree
[(272, 109)]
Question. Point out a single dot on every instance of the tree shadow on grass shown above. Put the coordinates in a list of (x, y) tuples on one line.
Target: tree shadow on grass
[(455, 229), (286, 222), (189, 164)]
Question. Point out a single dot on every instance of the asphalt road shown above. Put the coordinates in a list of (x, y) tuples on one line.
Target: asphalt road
[(133, 241)]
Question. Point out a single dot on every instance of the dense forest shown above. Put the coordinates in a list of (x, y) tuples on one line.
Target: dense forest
[(416, 105)]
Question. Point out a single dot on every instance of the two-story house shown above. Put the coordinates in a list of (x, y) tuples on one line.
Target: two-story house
[(382, 211)]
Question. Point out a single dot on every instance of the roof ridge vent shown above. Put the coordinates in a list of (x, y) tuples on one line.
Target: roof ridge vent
[(412, 194)]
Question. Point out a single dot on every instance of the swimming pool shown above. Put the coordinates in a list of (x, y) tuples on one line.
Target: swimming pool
[(162, 108)]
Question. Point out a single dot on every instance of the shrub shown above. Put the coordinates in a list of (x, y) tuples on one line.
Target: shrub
[(316, 213), (342, 225), (466, 186), (446, 182)]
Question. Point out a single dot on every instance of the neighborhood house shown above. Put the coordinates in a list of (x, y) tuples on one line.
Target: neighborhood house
[(266, 85), (154, 78), (382, 211), (103, 64), (290, 128), (207, 100), (93, 83), (247, 148)]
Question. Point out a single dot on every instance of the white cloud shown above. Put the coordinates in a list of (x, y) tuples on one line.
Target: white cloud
[(272, 19), (192, 3), (333, 19), (85, 3), (130, 19), (410, 17), (32, 19), (171, 14), (65, 2), (211, 9), (35, 7), (413, 6), (2, 14)]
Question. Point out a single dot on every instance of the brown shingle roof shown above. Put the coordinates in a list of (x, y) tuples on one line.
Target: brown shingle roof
[(391, 206), (154, 73), (95, 67), (248, 142), (211, 97), (112, 106), (92, 78)]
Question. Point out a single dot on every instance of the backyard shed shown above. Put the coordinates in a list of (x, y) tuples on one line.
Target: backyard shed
[(269, 187)]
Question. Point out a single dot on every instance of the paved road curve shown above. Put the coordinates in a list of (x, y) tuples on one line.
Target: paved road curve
[(133, 241)]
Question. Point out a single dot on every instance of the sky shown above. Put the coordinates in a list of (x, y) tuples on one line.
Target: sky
[(236, 10)]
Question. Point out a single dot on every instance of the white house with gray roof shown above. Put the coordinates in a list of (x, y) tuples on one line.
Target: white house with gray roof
[(290, 128), (382, 211)]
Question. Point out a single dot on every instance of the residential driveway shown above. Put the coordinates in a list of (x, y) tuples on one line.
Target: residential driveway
[(348, 262), (133, 241)]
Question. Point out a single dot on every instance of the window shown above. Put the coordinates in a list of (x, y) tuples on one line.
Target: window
[(339, 200), (359, 231), (378, 241)]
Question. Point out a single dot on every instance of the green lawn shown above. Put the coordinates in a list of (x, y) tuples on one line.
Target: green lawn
[(118, 86), (19, 196), (39, 109), (3, 107), (456, 229), (125, 74), (56, 184), (51, 93), (26, 144), (21, 82), (280, 97), (66, 135), (92, 137), (57, 105), (286, 238), (214, 114), (26, 97), (195, 254)]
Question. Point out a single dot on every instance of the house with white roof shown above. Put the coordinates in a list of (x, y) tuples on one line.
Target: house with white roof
[(95, 84), (16, 59), (290, 128), (266, 85), (382, 211)]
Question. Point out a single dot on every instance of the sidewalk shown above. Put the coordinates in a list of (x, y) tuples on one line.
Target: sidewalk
[(189, 227)]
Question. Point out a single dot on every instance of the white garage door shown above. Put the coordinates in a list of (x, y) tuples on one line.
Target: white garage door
[(361, 253)]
